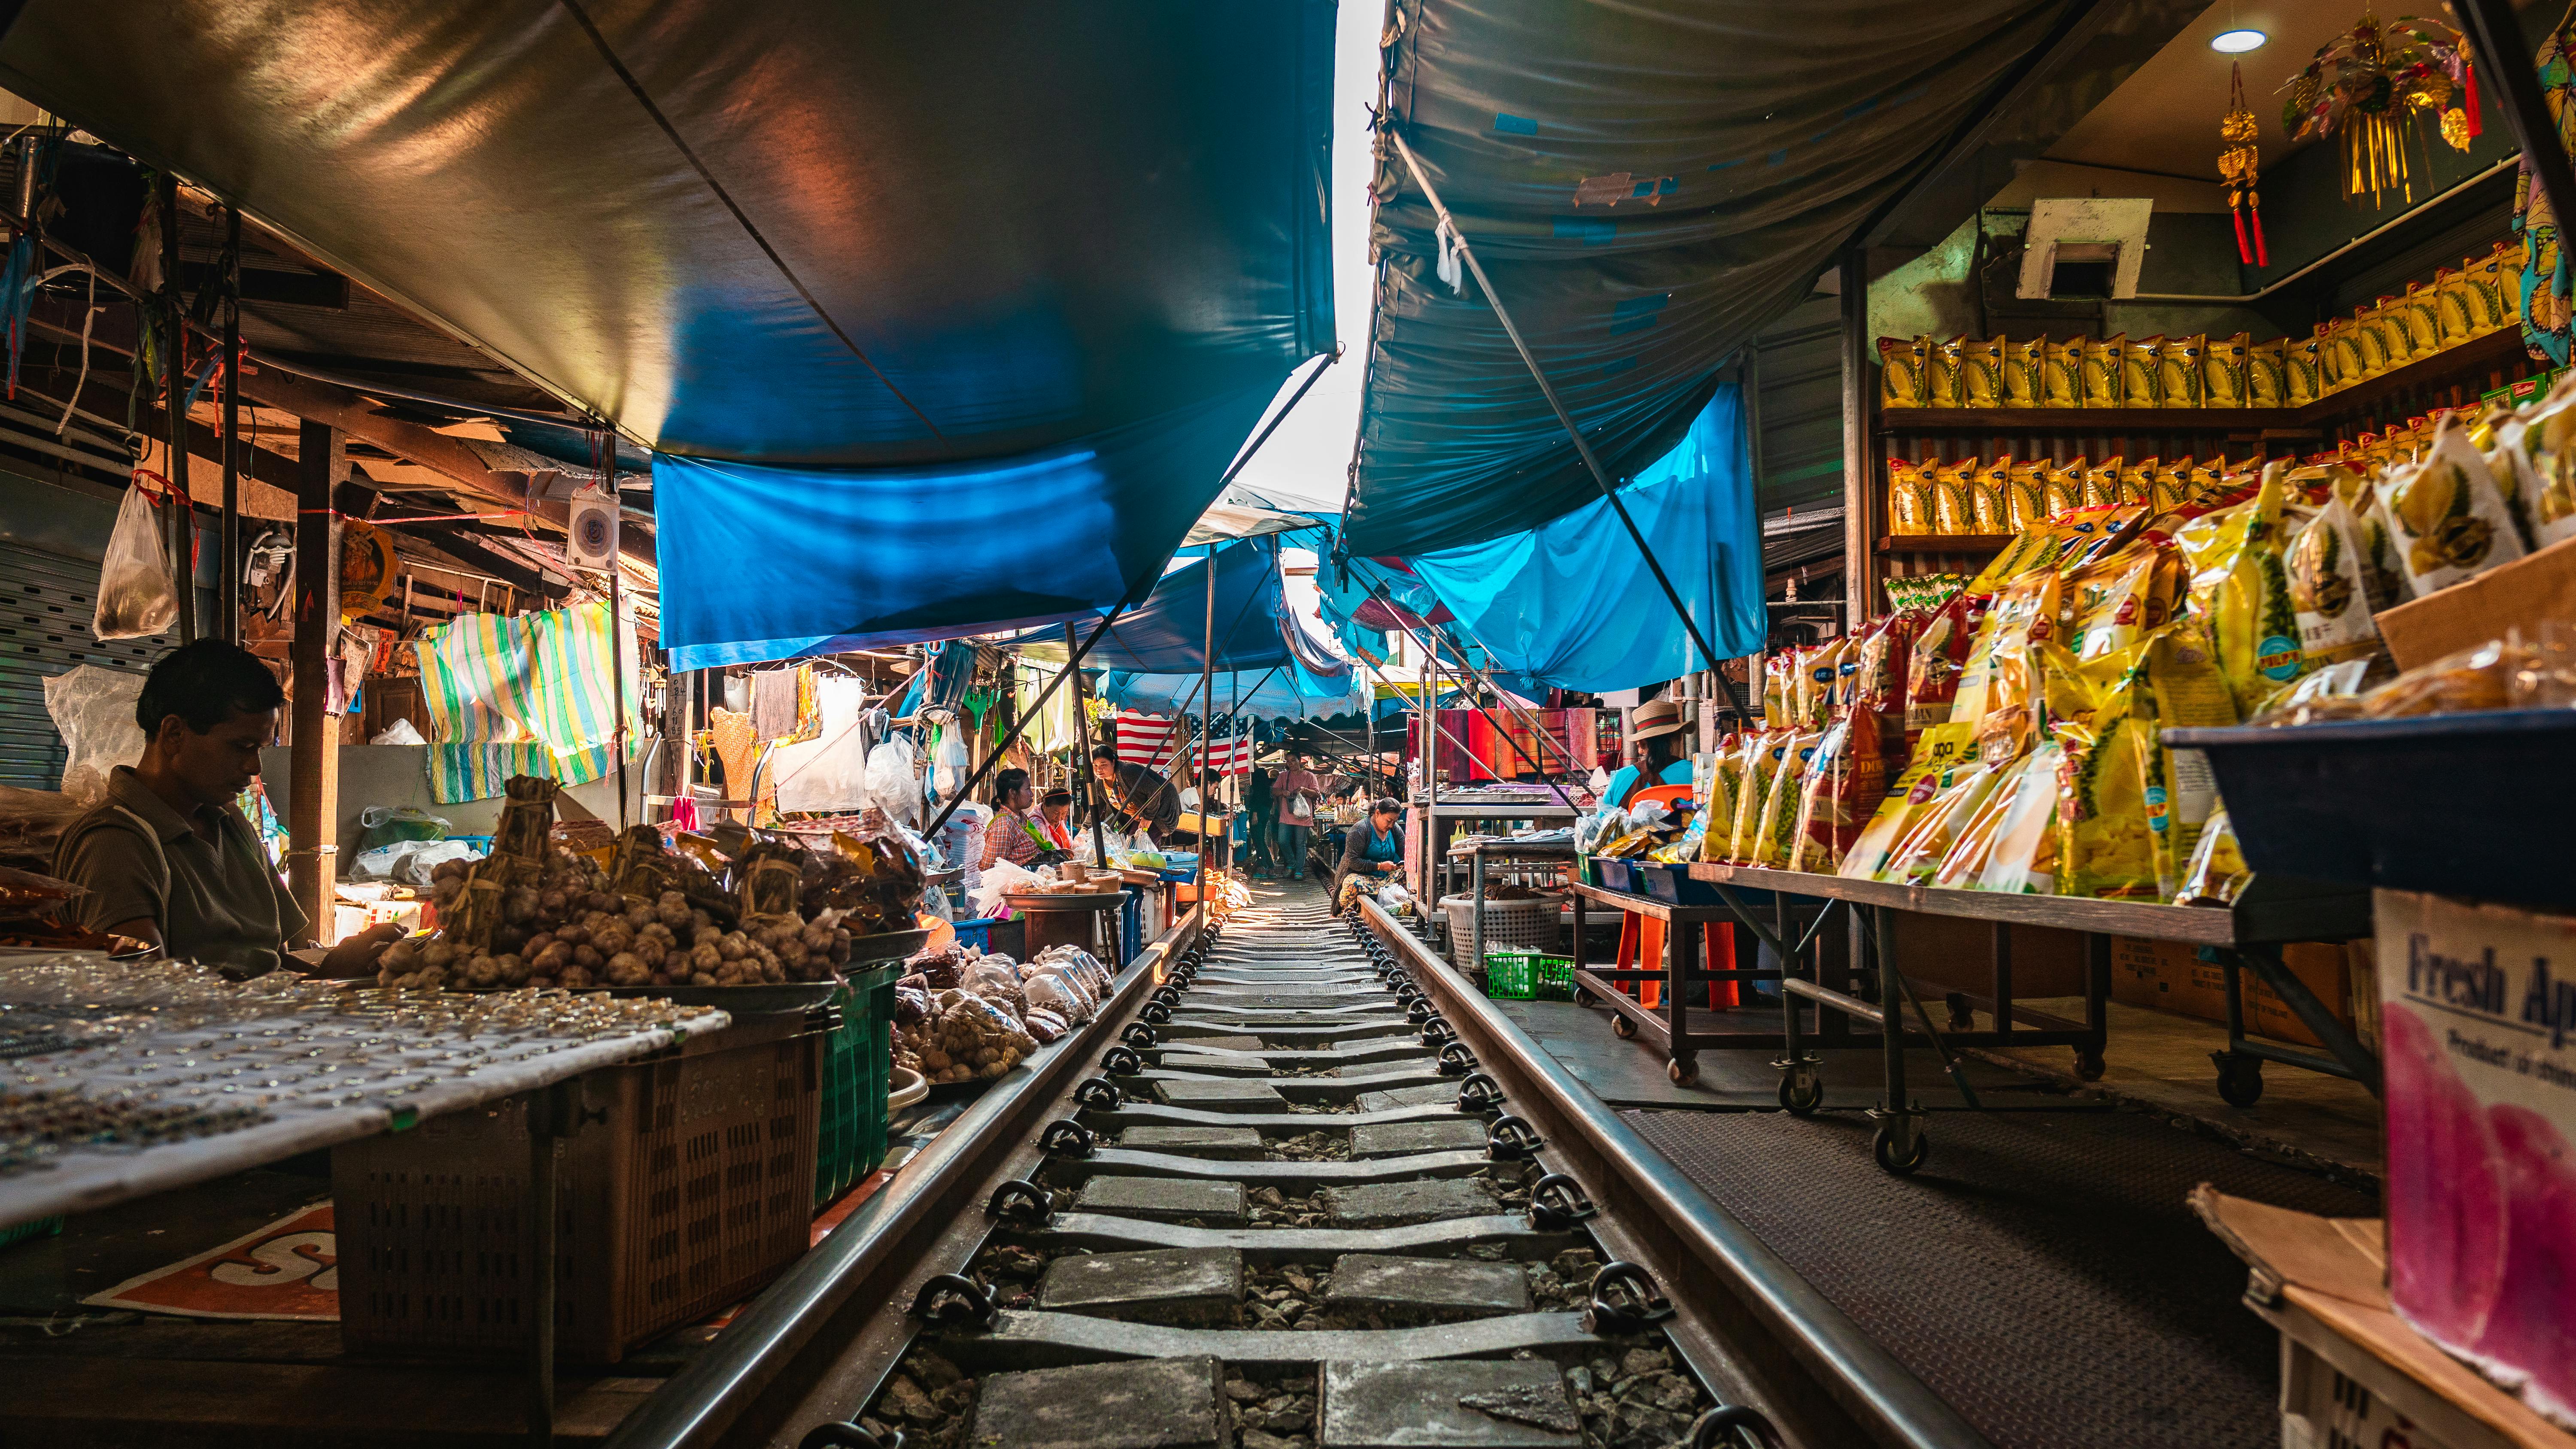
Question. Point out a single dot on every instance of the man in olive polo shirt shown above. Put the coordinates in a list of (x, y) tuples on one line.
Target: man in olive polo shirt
[(167, 856)]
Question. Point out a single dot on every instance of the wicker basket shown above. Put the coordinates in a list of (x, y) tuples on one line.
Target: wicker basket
[(1530, 923)]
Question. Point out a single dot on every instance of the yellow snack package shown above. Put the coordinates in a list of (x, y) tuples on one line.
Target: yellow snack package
[(1819, 686), (2450, 520), (1954, 508), (2022, 367), (2142, 372), (2330, 587), (2508, 455), (1952, 796), (2008, 840), (2026, 495), (2218, 873), (1778, 668), (1981, 372), (2102, 483), (2549, 437), (2267, 382), (2115, 603), (1940, 362), (1900, 374), (2421, 311), (2100, 375), (2508, 262), (2104, 845), (1999, 685), (1760, 764), (2240, 591), (2299, 372), (2370, 340), (2064, 487), (2388, 316), (2226, 372), (2181, 380), (1989, 497), (2170, 485), (2454, 315), (1780, 808), (2486, 288), (2338, 356), (2188, 691), (2061, 373), (2137, 482), (1845, 780), (1909, 506), (1939, 748)]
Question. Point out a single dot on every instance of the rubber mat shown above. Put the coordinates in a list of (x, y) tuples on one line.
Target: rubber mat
[(2039, 1272)]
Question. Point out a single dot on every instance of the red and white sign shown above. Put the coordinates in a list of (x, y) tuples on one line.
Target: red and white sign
[(287, 1270)]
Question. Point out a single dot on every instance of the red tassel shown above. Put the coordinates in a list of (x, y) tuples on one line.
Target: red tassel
[(2260, 258), (2244, 253), (2469, 97)]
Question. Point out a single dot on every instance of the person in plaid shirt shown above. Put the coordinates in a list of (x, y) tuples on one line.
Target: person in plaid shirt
[(1012, 834)]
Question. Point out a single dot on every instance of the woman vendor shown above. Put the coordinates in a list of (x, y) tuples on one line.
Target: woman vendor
[(1655, 733), (1055, 819), (1373, 851), (1013, 833)]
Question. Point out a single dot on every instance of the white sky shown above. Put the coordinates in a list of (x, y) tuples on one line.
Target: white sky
[(1310, 456)]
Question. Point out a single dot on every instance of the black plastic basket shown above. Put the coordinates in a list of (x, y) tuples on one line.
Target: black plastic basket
[(2478, 805)]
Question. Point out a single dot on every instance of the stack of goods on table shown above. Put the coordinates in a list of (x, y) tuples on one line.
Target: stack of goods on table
[(2007, 737), (2005, 495), (2481, 295), (32, 916), (732, 908), (962, 1016)]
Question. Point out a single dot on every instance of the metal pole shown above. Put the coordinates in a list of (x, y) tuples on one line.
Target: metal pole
[(1280, 417), (1082, 738), (2503, 55), (183, 544), (1432, 659), (228, 587), (1600, 477), (616, 641), (1857, 472), (1207, 735), (1022, 723)]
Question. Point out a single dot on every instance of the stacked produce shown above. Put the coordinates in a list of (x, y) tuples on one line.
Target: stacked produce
[(2008, 737), (2480, 296), (960, 1016)]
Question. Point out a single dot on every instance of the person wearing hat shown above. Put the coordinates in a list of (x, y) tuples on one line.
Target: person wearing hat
[(1655, 734)]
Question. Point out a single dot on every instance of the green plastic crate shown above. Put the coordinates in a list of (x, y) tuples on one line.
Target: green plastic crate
[(1516, 974), (858, 1068), (40, 1228)]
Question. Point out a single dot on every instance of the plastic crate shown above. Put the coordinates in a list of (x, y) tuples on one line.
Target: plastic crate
[(1530, 923), (688, 1186), (51, 1227), (1516, 974), (1672, 884), (858, 1069)]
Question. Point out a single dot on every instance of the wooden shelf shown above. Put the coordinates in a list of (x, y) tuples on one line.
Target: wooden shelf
[(2501, 348), (1944, 542)]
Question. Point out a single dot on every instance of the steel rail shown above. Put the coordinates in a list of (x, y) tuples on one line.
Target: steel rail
[(1752, 1327)]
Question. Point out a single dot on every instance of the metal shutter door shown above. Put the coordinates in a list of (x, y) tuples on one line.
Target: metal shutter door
[(46, 603)]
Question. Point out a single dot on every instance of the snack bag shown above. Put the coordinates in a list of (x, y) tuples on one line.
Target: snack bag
[(1845, 780), (2226, 380), (2267, 380), (1941, 747), (2370, 341), (2142, 372), (2240, 590), (2549, 440), (1988, 497), (2114, 604), (2449, 519), (1780, 810), (1760, 764), (1909, 508), (1951, 796), (1819, 691), (2102, 483), (2338, 356), (2330, 588), (2019, 806), (2022, 367), (1999, 688), (1876, 688), (1777, 670), (2389, 317), (2171, 485), (2025, 495), (2104, 848), (1981, 372), (2454, 317), (2419, 313), (2301, 380), (2137, 482), (1940, 360), (2508, 458), (2061, 373), (2509, 257), (1954, 508), (2180, 379), (1900, 374), (1935, 657), (2099, 375), (2492, 300), (2217, 874), (2063, 488), (2188, 690)]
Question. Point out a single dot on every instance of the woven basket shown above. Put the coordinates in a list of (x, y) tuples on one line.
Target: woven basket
[(1507, 923)]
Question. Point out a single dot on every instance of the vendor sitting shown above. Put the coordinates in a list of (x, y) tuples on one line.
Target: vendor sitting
[(167, 857), (1012, 833), (1055, 819), (1135, 796), (1373, 852), (1655, 732)]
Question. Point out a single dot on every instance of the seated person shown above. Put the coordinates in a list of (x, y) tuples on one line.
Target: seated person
[(1055, 819), (1373, 852), (167, 857), (1012, 833), (1656, 736)]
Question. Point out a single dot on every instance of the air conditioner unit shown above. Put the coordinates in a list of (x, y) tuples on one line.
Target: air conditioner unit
[(593, 544)]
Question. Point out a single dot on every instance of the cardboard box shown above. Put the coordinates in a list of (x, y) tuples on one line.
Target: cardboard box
[(2170, 976), (2517, 595)]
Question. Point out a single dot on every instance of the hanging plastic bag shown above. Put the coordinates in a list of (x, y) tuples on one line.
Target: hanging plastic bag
[(136, 595), (93, 710), (890, 784), (952, 765)]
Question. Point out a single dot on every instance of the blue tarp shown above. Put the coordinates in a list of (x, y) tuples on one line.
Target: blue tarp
[(773, 563), (1572, 603), (1167, 634)]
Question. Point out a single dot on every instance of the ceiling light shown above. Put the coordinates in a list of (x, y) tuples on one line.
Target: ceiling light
[(2236, 42)]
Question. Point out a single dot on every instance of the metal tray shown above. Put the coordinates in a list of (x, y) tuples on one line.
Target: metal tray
[(746, 1000), (885, 946), (1063, 900)]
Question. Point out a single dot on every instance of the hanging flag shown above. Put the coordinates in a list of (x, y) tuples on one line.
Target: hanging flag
[(1165, 742)]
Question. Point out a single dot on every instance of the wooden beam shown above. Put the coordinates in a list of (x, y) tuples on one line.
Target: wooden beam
[(313, 803)]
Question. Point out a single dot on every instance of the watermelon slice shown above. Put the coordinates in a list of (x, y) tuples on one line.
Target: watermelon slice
[(2446, 1189), (2531, 1330)]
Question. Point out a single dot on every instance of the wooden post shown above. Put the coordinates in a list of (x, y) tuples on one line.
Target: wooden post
[(1860, 474), (228, 556), (313, 802), (174, 374)]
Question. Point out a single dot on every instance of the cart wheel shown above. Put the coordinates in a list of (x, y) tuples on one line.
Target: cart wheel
[(1584, 998), (2089, 1065), (1683, 1073), (1802, 1099), (2240, 1079), (1961, 1018), (1882, 1146), (1622, 1028)]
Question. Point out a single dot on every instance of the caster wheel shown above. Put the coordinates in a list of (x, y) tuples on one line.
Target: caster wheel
[(1682, 1073), (1622, 1028), (1961, 1018), (2089, 1066), (1801, 1100), (1883, 1147), (1585, 998), (2240, 1080)]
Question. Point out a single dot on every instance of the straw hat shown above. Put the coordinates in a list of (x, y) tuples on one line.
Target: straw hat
[(1654, 721)]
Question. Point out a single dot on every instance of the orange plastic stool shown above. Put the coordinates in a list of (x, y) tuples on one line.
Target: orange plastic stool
[(1641, 948)]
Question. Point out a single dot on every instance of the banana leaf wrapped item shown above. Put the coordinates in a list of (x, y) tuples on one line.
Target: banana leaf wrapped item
[(2450, 519)]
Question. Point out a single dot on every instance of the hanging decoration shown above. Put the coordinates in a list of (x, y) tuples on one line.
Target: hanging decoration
[(2373, 86), (2236, 166)]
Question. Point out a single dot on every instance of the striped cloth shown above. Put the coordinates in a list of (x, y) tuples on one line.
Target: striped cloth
[(523, 694), (1158, 741)]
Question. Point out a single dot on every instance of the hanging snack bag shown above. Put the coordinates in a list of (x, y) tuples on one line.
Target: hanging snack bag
[(2240, 590), (2061, 373), (2022, 366), (1981, 372), (2449, 519), (1941, 388), (2549, 440), (1900, 374), (1954, 508), (2454, 321), (2063, 487), (2142, 372), (2102, 483), (2180, 374), (2300, 380), (2331, 588), (1779, 816), (2025, 495), (2267, 381), (1909, 509), (2226, 372), (2100, 374), (2137, 482), (1989, 497), (1941, 747)]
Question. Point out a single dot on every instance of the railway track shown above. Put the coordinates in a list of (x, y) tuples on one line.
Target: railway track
[(1298, 1187)]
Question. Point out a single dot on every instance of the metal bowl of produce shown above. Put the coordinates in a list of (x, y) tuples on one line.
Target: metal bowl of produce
[(742, 1000), (887, 946)]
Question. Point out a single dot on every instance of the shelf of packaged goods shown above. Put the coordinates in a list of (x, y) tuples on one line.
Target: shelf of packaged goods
[(2273, 910), (1944, 542)]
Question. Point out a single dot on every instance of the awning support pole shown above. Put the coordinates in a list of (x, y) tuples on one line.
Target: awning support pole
[(1430, 653), (1020, 725), (1279, 417), (1600, 477), (174, 368), (1082, 737), (1207, 734), (2503, 56), (228, 586)]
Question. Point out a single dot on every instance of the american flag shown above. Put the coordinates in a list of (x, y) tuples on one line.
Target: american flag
[(1163, 743)]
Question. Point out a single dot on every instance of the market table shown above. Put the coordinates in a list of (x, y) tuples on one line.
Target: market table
[(2248, 933), (1670, 1031), (1427, 842)]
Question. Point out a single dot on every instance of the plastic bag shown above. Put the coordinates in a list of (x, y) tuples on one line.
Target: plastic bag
[(1051, 990), (136, 594), (386, 824), (410, 862), (1004, 878), (890, 785), (32, 821), (400, 732), (93, 710)]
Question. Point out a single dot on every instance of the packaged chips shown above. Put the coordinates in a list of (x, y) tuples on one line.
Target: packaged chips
[(2180, 361), (2226, 377), (2100, 373), (1909, 504), (2267, 380), (2023, 365), (1981, 372), (1940, 361), (2061, 373), (2142, 361), (1900, 373), (2450, 521), (2240, 590)]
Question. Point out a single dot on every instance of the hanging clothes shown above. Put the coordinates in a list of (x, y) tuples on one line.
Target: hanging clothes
[(2546, 277)]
